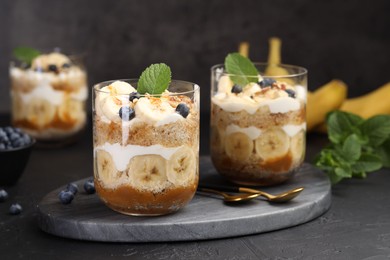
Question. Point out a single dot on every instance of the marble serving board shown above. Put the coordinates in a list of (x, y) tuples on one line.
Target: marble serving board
[(205, 217)]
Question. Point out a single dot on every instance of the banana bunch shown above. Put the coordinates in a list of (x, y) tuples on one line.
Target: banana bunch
[(329, 97), (149, 172)]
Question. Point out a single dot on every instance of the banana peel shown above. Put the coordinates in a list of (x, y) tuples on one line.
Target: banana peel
[(327, 98), (374, 103), (243, 49)]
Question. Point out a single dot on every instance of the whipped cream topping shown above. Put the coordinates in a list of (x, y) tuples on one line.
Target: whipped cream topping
[(253, 97), (252, 132), (122, 155), (35, 76), (155, 111)]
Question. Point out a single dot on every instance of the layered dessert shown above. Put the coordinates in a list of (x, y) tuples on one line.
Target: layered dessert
[(48, 97), (145, 148), (257, 130)]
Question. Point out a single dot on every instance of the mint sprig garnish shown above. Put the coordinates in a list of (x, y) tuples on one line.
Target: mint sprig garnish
[(154, 79), (25, 54), (357, 146), (241, 69)]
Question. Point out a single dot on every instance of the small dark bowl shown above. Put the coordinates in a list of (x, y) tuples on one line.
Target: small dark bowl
[(13, 162)]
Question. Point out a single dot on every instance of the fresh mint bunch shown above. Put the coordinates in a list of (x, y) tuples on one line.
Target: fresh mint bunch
[(242, 71), (357, 146), (154, 79), (25, 54)]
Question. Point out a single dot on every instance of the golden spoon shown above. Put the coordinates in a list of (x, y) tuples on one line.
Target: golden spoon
[(231, 198), (278, 198), (281, 197)]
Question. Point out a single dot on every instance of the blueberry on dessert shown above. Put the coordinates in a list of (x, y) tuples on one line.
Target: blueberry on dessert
[(134, 95), (266, 82), (236, 89), (126, 113), (290, 92), (183, 110)]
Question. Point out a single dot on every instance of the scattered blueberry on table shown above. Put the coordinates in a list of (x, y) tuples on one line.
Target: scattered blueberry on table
[(89, 187), (72, 187), (66, 196), (3, 195), (15, 209)]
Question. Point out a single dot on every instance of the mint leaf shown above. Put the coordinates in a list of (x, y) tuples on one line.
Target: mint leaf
[(367, 163), (351, 148), (25, 54), (383, 152), (154, 79), (341, 125), (357, 147), (377, 129), (241, 69)]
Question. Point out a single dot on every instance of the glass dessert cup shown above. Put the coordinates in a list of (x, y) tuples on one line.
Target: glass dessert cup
[(48, 98), (258, 131), (146, 153)]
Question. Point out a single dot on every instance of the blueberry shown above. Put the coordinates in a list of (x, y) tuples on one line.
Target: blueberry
[(236, 89), (8, 130), (66, 65), (183, 110), (3, 195), (126, 113), (53, 67), (291, 93), (89, 187), (2, 146), (66, 196), (266, 82), (15, 209), (134, 95), (72, 187), (26, 139)]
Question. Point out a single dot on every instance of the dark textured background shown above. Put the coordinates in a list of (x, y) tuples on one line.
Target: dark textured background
[(346, 39)]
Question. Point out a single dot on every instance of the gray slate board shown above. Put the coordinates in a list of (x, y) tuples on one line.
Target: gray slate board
[(205, 217)]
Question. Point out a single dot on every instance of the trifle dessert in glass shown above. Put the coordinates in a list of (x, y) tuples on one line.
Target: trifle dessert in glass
[(48, 95), (146, 142), (257, 122)]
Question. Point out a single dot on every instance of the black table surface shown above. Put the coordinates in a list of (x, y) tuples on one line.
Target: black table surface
[(357, 226)]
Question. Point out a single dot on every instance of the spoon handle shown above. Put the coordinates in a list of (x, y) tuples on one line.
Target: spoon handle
[(219, 187)]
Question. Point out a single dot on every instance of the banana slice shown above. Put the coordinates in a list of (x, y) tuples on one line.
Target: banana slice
[(148, 172), (272, 144), (40, 112), (238, 146), (181, 167), (18, 108), (217, 137), (156, 111), (298, 146), (106, 170), (71, 110), (225, 84)]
